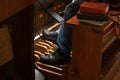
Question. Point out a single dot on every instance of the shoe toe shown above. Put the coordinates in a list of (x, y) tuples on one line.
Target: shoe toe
[(55, 59), (51, 36)]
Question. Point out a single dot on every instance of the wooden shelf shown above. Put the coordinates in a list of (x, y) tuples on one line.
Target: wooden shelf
[(108, 39)]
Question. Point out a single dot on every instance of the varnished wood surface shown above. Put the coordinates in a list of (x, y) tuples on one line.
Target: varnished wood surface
[(87, 46), (10, 7), (18, 14), (76, 23), (116, 76), (85, 64)]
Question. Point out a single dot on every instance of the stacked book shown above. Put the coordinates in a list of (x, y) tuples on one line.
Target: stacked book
[(93, 13)]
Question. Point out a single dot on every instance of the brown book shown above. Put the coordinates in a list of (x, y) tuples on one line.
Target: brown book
[(94, 8), (93, 17), (95, 23)]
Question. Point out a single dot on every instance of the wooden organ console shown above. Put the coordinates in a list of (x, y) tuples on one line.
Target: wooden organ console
[(95, 53)]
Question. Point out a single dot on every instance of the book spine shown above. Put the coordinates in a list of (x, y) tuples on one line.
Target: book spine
[(92, 17), (94, 8), (92, 11)]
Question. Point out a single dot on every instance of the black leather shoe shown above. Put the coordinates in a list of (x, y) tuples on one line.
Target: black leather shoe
[(56, 58), (51, 36)]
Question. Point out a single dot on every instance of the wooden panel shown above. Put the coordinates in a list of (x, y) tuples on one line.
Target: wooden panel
[(10, 7), (86, 59), (87, 51), (21, 28), (3, 10), (6, 52), (17, 5)]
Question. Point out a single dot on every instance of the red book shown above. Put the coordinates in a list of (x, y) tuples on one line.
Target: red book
[(94, 8)]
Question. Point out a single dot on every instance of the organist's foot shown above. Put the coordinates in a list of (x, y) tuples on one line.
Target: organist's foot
[(51, 36), (56, 58)]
